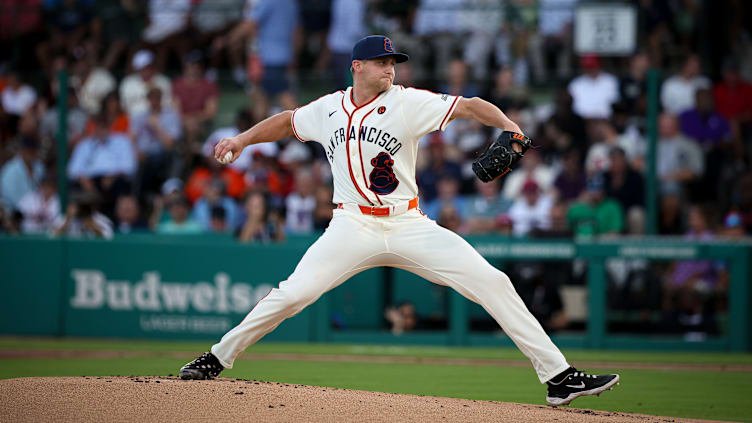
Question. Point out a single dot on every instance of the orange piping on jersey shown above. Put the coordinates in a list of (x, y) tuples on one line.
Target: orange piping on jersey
[(449, 112), (362, 169), (294, 131), (347, 143)]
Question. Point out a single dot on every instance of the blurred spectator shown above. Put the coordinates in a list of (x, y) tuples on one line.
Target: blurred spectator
[(532, 210), (531, 168), (678, 91), (127, 216), (117, 24), (22, 174), (156, 133), (595, 91), (559, 227), (570, 182), (92, 83), (209, 169), (606, 139), (678, 160), (103, 163), (135, 87), (625, 185), (68, 22), (633, 87), (503, 225), (437, 25), (17, 98), (670, 219), (401, 318), (243, 121), (117, 119), (449, 217), (300, 204), (457, 81), (347, 27), (322, 214), (218, 220), (555, 25), (702, 123), (448, 189), (195, 99), (482, 208), (570, 130), (261, 223), (166, 29), (438, 165), (505, 94), (274, 26), (83, 220), (214, 196), (76, 122), (40, 208), (172, 189), (179, 222), (733, 95), (596, 214), (214, 17)]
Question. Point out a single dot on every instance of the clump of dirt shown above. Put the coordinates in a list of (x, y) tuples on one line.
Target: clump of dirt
[(146, 399)]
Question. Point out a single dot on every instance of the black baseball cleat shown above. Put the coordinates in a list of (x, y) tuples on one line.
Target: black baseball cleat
[(205, 367), (572, 383)]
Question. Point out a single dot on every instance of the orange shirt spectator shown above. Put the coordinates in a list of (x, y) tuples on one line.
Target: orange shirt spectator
[(194, 188)]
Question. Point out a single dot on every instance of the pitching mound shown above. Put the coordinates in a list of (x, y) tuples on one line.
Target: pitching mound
[(147, 399)]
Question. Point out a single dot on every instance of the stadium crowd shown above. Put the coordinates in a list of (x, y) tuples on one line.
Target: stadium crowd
[(146, 80)]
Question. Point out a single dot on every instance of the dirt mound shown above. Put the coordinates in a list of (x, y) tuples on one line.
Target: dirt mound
[(148, 399)]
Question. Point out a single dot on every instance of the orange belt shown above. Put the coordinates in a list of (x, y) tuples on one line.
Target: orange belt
[(383, 211)]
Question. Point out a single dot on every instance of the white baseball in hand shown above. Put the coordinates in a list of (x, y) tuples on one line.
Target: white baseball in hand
[(226, 159)]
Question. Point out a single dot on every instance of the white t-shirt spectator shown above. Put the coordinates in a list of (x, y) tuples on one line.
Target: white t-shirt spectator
[(133, 92), (76, 228), (18, 101), (245, 160), (678, 94), (593, 97), (526, 217), (92, 158), (299, 217), (92, 91), (39, 213)]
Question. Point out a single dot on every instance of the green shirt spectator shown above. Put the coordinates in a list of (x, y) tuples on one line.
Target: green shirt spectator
[(596, 214), (180, 222)]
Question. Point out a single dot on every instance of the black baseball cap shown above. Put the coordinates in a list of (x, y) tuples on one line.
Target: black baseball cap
[(375, 46)]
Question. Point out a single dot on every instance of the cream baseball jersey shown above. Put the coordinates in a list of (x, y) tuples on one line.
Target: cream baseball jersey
[(372, 148)]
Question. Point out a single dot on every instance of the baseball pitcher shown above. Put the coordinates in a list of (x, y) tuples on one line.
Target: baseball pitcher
[(370, 133)]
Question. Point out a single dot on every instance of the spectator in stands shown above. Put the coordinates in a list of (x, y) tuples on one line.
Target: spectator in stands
[(214, 17), (402, 318), (76, 122), (567, 123), (448, 189), (531, 168), (348, 25), (135, 87), (559, 227), (156, 133), (17, 98), (323, 212), (438, 165), (209, 169), (437, 26), (570, 182), (214, 196), (606, 139), (82, 219), (274, 26), (40, 208), (633, 87), (670, 219), (218, 220), (457, 82), (68, 22), (594, 92), (532, 210), (555, 19), (103, 163), (300, 204), (678, 160), (127, 216), (733, 95), (505, 94), (626, 186), (92, 83), (195, 97), (22, 174), (117, 25), (596, 214), (703, 124), (166, 29), (179, 222), (678, 91), (482, 208), (261, 223), (449, 217), (117, 119)]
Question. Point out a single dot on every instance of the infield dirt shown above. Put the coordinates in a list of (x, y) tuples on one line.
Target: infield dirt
[(147, 399)]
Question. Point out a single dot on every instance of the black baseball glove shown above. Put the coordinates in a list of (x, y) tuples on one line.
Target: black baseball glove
[(499, 157)]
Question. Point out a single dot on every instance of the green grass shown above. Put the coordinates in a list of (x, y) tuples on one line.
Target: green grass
[(689, 394)]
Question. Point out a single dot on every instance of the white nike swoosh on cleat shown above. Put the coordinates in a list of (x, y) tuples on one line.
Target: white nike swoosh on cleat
[(580, 386)]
